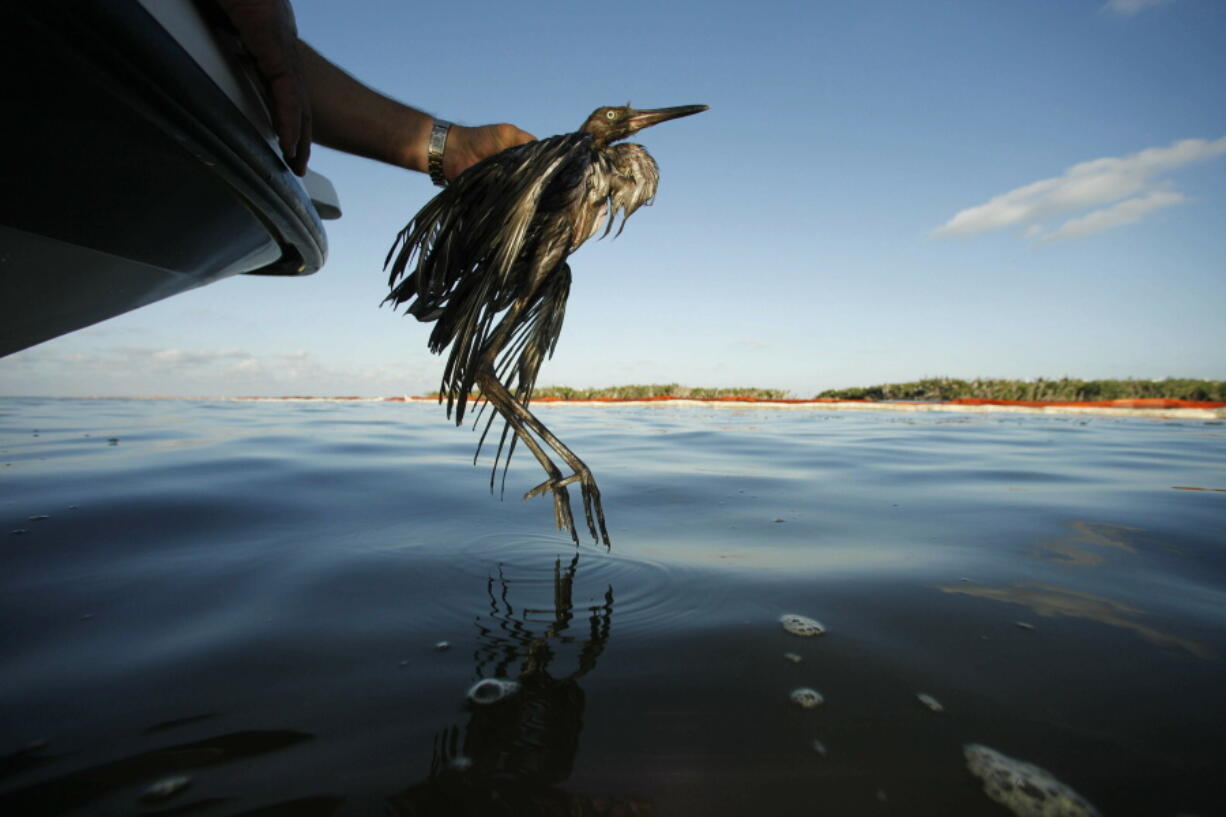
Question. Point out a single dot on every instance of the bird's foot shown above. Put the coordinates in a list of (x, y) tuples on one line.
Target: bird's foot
[(593, 511)]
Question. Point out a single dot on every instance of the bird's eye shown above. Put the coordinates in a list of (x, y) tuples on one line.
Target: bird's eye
[(611, 114)]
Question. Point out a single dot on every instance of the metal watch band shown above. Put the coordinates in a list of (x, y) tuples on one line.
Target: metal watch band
[(434, 154)]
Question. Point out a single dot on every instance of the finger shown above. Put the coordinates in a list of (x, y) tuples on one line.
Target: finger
[(508, 136), (303, 154), (291, 121), (286, 114)]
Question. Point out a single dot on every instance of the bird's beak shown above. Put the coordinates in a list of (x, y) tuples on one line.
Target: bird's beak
[(645, 119)]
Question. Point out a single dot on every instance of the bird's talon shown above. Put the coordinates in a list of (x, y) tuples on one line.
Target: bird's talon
[(552, 485), (563, 516)]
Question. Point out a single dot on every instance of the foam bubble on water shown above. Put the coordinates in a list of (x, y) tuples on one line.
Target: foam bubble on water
[(807, 698), (793, 657), (165, 788), (930, 702), (1024, 788), (801, 625), (492, 690)]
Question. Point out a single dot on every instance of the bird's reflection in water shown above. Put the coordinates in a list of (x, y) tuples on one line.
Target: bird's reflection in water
[(512, 756)]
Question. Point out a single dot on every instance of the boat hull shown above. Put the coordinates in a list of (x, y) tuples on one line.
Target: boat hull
[(133, 176)]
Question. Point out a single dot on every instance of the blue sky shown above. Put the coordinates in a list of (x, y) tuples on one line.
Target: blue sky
[(882, 190)]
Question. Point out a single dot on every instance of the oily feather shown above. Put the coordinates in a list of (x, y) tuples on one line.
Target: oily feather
[(495, 243)]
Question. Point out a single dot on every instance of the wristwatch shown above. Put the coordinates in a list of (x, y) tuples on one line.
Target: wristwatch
[(434, 154)]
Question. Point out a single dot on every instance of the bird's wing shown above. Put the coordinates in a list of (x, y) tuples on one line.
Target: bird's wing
[(472, 248), (537, 285), (475, 228)]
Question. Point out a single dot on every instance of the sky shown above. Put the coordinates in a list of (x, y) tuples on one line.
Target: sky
[(882, 190)]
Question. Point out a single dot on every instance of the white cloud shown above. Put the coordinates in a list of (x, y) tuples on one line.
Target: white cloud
[(1125, 212), (1133, 181), (1130, 7), (131, 370), (184, 358)]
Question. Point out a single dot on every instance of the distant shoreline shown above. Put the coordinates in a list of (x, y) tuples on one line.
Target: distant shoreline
[(1162, 408)]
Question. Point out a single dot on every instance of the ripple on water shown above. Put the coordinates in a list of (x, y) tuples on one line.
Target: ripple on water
[(644, 595)]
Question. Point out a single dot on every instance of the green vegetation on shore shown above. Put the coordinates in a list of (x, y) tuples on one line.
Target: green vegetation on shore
[(1064, 389), (640, 392), (643, 392)]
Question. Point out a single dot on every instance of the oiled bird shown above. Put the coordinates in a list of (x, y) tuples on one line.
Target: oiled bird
[(486, 261)]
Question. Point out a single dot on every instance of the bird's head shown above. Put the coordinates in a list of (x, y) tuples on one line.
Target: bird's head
[(609, 124)]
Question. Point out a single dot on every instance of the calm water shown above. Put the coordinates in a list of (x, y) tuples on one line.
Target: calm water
[(248, 597)]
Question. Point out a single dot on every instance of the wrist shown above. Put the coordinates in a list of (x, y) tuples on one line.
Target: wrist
[(456, 158)]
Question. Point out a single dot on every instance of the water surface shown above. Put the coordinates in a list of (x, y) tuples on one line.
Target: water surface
[(248, 597)]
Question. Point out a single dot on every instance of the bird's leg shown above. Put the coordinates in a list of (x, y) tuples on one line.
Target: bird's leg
[(523, 422), (505, 404)]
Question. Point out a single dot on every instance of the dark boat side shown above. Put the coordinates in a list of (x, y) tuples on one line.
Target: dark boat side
[(131, 175)]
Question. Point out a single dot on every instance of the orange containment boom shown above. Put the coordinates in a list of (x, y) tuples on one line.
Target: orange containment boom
[(1135, 403)]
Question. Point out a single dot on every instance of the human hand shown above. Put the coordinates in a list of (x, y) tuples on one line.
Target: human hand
[(268, 31), (468, 145)]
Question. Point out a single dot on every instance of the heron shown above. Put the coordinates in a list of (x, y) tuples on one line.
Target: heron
[(486, 262)]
